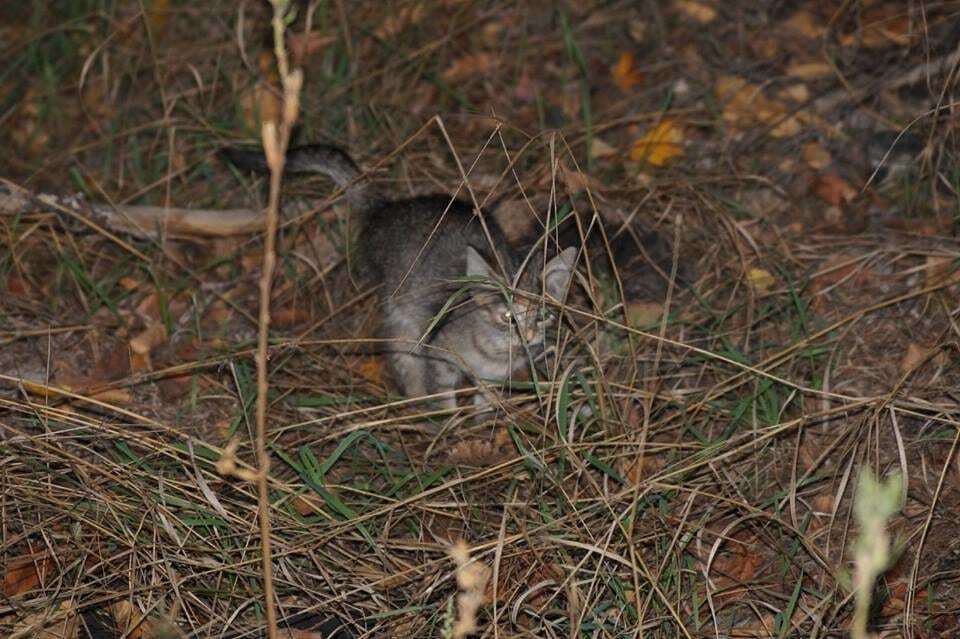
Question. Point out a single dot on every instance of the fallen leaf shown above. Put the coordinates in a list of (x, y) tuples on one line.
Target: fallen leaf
[(744, 104), (128, 283), (56, 623), (289, 316), (941, 269), (833, 189), (700, 12), (661, 144), (637, 30), (761, 280), (880, 27), (23, 574), (303, 45), (913, 357), (130, 621), (471, 66), (625, 73), (371, 369), (809, 70), (815, 156), (398, 20), (600, 149), (805, 24), (18, 286), (795, 92), (146, 341), (576, 181)]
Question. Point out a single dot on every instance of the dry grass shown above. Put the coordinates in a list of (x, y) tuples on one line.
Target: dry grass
[(686, 466)]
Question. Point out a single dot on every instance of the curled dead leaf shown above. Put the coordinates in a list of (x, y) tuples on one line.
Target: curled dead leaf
[(625, 73), (661, 144), (833, 189)]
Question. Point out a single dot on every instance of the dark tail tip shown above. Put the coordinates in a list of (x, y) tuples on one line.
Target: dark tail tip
[(246, 159)]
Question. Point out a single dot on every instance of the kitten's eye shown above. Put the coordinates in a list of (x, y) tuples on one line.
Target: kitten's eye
[(506, 318)]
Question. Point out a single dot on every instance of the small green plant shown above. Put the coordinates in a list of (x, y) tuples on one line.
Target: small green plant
[(876, 501)]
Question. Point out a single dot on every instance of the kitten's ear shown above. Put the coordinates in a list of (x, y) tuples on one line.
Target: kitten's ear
[(558, 273), (477, 266)]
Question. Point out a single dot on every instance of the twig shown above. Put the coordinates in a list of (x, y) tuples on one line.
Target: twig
[(276, 137), (139, 221)]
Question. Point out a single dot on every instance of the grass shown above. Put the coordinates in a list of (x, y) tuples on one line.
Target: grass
[(690, 477)]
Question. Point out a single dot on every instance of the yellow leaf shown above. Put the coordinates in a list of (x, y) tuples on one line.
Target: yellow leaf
[(702, 13), (760, 279), (661, 144), (744, 105), (625, 72)]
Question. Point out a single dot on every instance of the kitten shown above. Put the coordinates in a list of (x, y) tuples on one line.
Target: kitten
[(458, 302)]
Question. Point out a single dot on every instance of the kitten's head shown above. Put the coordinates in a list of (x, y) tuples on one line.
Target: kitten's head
[(518, 319)]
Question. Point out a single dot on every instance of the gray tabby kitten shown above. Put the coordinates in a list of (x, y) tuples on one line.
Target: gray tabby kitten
[(456, 304)]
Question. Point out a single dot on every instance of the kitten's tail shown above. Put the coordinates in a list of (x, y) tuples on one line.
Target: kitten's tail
[(314, 158)]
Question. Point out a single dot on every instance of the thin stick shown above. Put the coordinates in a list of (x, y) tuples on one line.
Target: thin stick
[(275, 141)]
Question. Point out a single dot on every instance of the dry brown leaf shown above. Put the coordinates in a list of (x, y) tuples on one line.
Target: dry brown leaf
[(941, 269), (23, 574), (128, 283), (302, 45), (914, 356), (795, 93), (815, 156), (151, 337), (600, 149), (371, 369), (577, 181), (471, 66), (882, 26), (661, 144), (833, 189), (809, 70), (130, 620), (698, 11), (289, 316), (18, 286), (59, 623), (399, 19), (805, 24), (625, 73)]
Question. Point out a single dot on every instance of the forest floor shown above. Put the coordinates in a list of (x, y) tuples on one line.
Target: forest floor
[(776, 186)]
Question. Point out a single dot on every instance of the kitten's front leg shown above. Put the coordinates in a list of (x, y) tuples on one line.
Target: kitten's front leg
[(445, 378)]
